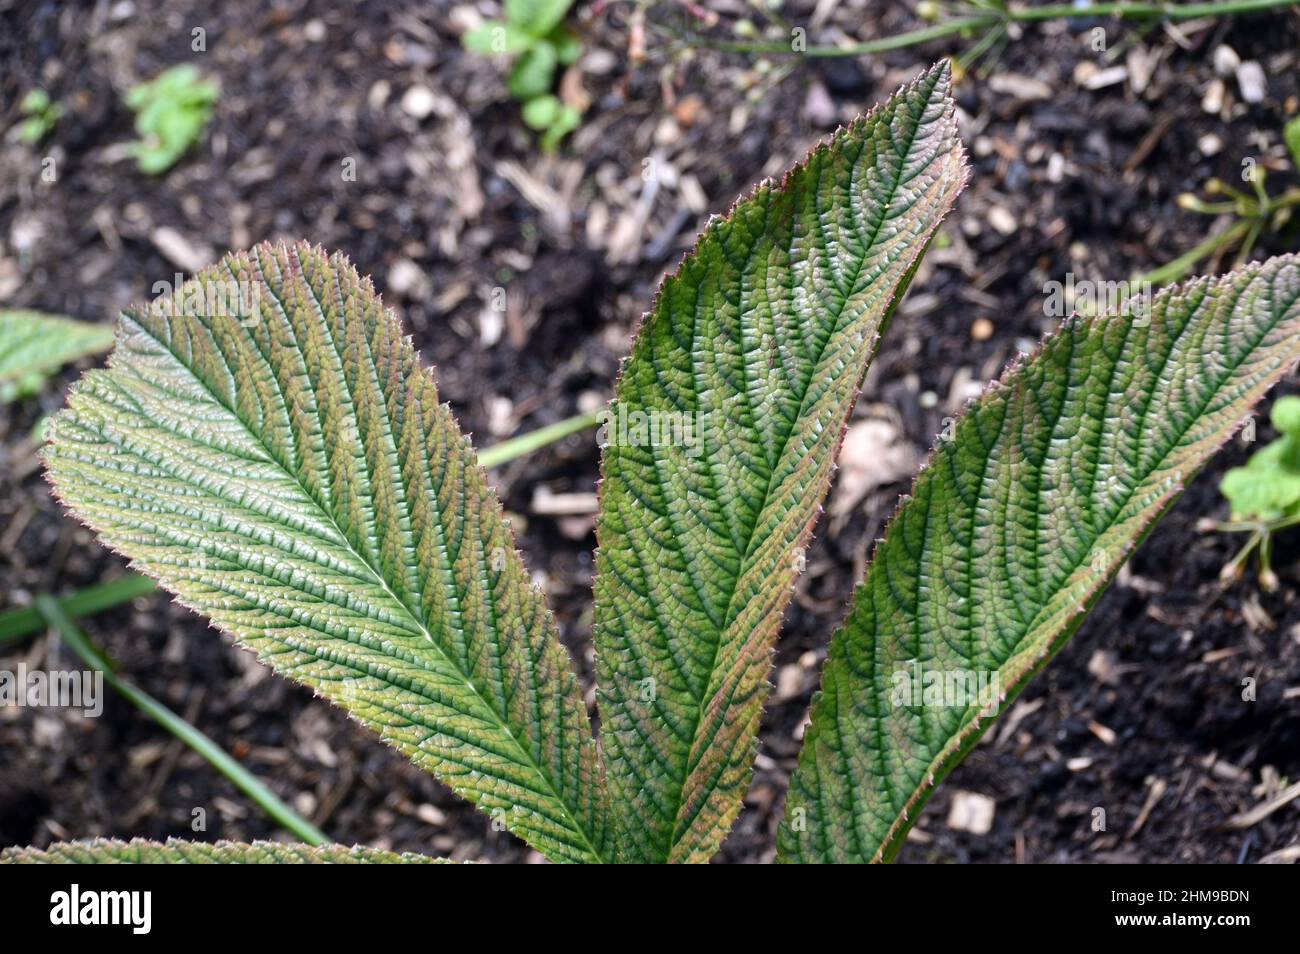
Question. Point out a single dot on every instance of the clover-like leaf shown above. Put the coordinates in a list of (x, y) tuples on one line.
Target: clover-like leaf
[(720, 446), (102, 851), (1012, 531), (266, 444), (534, 73)]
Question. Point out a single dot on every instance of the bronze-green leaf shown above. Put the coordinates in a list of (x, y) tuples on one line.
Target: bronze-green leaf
[(720, 446), (266, 444), (1013, 530)]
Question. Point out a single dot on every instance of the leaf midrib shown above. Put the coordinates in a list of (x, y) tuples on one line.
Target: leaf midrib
[(526, 757)]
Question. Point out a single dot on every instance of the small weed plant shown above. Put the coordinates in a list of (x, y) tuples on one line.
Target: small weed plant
[(534, 35), (171, 112)]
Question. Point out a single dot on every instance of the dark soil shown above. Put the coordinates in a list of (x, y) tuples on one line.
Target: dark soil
[(1142, 715)]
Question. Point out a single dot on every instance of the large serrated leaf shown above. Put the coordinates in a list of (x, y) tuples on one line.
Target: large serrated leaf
[(280, 461), (754, 350), (33, 345), (1013, 530), (102, 851)]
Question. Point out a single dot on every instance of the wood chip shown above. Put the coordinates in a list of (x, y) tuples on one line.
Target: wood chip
[(1157, 791), (1103, 732), (1019, 87), (971, 812), (1261, 811), (187, 255), (550, 504), (1283, 856)]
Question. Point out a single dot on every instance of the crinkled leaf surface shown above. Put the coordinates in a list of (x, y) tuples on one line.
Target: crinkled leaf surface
[(175, 852), (1017, 524), (759, 343), (32, 345), (287, 470)]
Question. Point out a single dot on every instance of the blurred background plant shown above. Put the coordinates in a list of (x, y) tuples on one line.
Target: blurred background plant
[(33, 346), (1264, 494), (171, 112), (40, 115), (986, 27), (535, 36), (1251, 214)]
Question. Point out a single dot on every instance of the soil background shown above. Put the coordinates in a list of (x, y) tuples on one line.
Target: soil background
[(1075, 170)]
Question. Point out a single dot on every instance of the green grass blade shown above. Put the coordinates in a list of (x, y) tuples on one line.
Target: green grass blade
[(213, 754), (16, 624)]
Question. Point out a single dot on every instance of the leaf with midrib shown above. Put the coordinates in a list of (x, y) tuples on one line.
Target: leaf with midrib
[(101, 851), (759, 342), (287, 470), (1013, 530)]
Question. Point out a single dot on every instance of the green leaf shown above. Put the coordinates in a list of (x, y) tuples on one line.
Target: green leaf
[(34, 345), (36, 101), (1291, 133), (537, 17), (102, 851), (1013, 530), (279, 460), (496, 39), (1264, 490), (759, 343), (567, 45), (171, 113), (1268, 487), (541, 111), (534, 74), (1285, 415), (565, 122)]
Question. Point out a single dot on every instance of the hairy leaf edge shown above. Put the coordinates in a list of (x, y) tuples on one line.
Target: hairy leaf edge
[(314, 854)]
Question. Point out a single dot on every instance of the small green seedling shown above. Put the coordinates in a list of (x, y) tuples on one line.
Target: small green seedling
[(1265, 494), (40, 115), (535, 35), (171, 112), (1255, 213)]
